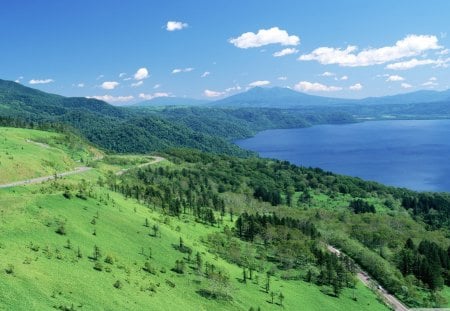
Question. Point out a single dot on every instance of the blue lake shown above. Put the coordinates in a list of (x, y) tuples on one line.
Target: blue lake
[(414, 154)]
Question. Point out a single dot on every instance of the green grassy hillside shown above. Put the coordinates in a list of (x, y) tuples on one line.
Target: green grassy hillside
[(28, 154), (74, 244)]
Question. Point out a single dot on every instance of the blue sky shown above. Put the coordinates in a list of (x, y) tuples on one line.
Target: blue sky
[(127, 51)]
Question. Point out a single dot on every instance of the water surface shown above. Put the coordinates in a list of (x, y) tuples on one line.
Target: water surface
[(414, 154)]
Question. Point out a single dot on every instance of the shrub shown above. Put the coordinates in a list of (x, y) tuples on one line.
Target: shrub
[(118, 284)]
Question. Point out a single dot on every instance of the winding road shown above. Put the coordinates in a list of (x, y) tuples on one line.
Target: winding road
[(77, 170), (366, 280)]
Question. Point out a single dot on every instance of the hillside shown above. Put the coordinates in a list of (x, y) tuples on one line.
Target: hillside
[(110, 128), (28, 154), (205, 231), (76, 244)]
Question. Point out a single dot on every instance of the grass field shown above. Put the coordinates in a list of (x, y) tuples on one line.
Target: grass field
[(41, 266), (31, 153)]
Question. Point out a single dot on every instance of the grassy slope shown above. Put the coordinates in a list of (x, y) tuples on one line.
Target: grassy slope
[(53, 275), (30, 153)]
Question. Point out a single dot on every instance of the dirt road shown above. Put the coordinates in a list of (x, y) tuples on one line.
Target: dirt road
[(77, 170), (366, 280)]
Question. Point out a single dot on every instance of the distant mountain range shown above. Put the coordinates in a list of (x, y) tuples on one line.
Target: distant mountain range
[(171, 101), (277, 97), (285, 98)]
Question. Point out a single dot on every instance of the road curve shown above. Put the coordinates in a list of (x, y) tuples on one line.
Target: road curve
[(365, 279), (156, 159), (77, 170)]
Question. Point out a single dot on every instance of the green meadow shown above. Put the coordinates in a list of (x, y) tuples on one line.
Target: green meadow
[(66, 251)]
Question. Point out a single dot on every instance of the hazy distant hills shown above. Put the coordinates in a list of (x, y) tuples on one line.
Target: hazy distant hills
[(277, 97), (172, 101)]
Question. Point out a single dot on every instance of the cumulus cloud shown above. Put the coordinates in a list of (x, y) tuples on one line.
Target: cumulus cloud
[(179, 70), (344, 78), (154, 95), (284, 52), (394, 78), (113, 99), (205, 74), (233, 89), (264, 37), (431, 82), (305, 86), (80, 85), (327, 74), (137, 84), (406, 85), (259, 83), (409, 64), (109, 85), (282, 78), (356, 87), (173, 25), (141, 74), (19, 79), (122, 74), (411, 45), (41, 81), (210, 93)]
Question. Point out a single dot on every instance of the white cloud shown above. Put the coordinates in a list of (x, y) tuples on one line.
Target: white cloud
[(433, 79), (263, 37), (443, 52), (327, 74), (154, 95), (429, 83), (141, 74), (284, 52), (209, 93), (43, 81), (406, 85), (18, 79), (122, 74), (282, 78), (344, 78), (205, 74), (356, 87), (411, 45), (306, 86), (233, 88), (173, 25), (113, 99), (394, 78), (137, 84), (178, 70), (409, 64), (157, 86), (80, 85), (100, 77), (259, 83), (109, 85)]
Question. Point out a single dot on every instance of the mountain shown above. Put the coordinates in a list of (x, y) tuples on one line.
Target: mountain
[(284, 98), (112, 128), (171, 101), (276, 97), (17, 99), (423, 96)]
